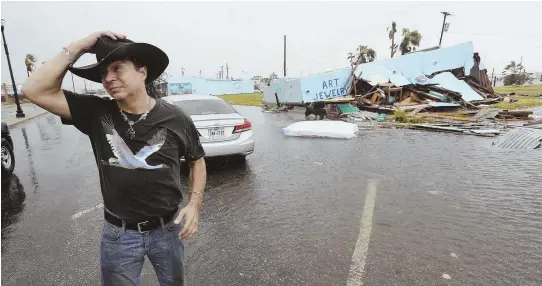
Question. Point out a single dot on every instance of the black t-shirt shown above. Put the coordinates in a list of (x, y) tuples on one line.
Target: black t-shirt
[(139, 177)]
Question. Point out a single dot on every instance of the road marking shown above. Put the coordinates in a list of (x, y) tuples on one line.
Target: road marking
[(83, 212), (355, 278)]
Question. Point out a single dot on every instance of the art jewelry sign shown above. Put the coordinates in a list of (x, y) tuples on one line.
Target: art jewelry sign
[(325, 86), (330, 89)]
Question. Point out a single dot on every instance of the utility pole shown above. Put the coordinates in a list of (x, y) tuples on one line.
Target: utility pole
[(221, 72), (19, 113), (199, 72), (443, 23), (284, 55), (182, 71), (85, 82), (492, 74), (227, 71)]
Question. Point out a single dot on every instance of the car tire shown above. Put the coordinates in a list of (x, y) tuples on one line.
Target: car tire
[(239, 159), (8, 158)]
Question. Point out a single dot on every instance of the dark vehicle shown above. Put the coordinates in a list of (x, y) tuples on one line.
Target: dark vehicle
[(8, 159)]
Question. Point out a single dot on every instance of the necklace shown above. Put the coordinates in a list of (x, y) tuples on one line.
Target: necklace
[(131, 132)]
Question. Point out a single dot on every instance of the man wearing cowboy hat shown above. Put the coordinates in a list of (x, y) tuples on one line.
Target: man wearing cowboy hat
[(138, 141)]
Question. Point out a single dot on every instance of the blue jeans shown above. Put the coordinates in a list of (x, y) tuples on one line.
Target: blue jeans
[(122, 254)]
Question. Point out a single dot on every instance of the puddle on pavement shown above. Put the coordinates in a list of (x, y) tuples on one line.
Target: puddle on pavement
[(13, 198)]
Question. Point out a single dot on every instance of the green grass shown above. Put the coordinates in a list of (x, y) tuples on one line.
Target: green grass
[(522, 89), (402, 116), (248, 99), (523, 102)]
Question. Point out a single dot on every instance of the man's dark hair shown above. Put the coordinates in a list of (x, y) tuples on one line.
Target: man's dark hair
[(150, 86)]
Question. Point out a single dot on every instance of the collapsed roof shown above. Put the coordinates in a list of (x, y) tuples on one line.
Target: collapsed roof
[(448, 68)]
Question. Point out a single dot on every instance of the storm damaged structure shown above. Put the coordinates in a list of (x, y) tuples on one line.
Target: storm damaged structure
[(317, 87), (429, 79), (436, 78)]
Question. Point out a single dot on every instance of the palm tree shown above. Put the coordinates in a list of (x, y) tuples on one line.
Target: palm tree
[(514, 73), (30, 62), (411, 40), (351, 58), (365, 54), (391, 35)]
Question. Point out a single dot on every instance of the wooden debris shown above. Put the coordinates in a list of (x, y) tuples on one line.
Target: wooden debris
[(487, 113), (473, 83), (375, 99), (416, 98), (514, 114), (365, 101), (457, 130), (418, 109), (378, 109), (409, 101), (447, 116)]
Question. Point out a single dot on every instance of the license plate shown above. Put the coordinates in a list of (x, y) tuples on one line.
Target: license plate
[(216, 132)]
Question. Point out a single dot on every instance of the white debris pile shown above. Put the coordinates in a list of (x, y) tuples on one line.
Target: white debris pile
[(326, 129)]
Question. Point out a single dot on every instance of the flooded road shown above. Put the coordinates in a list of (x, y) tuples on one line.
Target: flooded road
[(447, 210)]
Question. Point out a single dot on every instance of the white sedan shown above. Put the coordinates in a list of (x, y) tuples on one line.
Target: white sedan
[(223, 131)]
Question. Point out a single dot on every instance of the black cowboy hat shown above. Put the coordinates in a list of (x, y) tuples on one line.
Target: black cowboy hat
[(108, 50)]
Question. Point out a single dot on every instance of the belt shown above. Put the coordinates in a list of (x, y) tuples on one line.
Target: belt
[(143, 226)]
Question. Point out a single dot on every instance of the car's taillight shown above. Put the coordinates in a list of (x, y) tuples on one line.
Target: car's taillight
[(244, 127)]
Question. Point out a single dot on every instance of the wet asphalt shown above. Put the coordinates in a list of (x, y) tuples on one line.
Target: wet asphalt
[(446, 206)]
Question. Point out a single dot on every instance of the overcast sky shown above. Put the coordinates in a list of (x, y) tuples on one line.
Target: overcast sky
[(249, 36)]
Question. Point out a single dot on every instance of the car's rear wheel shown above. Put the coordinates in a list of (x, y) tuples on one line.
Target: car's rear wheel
[(239, 159), (8, 158)]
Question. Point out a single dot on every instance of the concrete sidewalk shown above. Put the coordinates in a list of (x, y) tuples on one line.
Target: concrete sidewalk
[(30, 110)]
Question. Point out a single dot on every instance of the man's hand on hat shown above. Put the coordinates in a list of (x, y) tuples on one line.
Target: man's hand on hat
[(86, 44)]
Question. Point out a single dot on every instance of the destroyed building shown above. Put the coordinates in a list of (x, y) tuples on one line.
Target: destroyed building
[(434, 78), (444, 77)]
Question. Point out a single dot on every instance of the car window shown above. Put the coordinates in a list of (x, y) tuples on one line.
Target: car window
[(202, 107)]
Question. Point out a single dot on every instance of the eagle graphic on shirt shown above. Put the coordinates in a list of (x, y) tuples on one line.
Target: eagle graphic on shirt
[(123, 156)]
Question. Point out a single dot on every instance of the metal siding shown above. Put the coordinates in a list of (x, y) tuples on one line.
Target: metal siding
[(520, 138), (426, 63), (288, 91), (374, 74), (442, 104), (325, 85), (213, 87), (415, 67), (438, 95), (449, 81)]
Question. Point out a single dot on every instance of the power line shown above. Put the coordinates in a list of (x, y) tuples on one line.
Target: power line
[(488, 34)]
